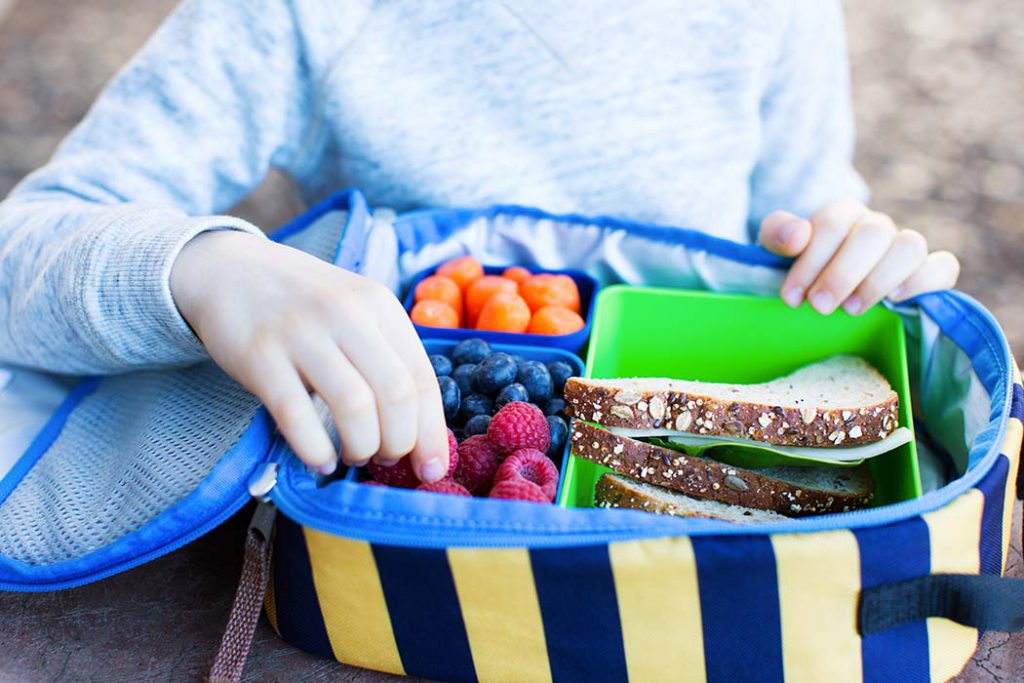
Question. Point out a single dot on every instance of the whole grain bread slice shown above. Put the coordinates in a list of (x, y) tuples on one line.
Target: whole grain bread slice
[(841, 400), (617, 491), (796, 491)]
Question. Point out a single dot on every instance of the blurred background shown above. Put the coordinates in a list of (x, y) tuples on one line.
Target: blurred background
[(938, 88)]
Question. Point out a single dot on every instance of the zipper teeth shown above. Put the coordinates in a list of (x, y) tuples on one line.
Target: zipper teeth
[(435, 532)]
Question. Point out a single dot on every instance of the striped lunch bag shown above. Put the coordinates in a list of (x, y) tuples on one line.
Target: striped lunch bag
[(116, 471)]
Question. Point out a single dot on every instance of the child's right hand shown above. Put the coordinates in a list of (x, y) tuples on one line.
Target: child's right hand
[(283, 323)]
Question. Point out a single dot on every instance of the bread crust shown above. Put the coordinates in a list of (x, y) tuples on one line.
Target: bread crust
[(711, 480), (715, 416), (612, 493)]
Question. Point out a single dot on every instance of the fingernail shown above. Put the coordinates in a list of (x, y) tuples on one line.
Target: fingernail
[(432, 470), (328, 468), (853, 305), (896, 293), (792, 296), (823, 301), (786, 232)]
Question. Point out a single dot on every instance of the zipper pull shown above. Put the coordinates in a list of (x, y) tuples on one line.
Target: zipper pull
[(262, 481)]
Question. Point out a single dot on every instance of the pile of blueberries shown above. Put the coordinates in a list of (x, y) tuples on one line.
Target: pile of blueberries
[(476, 382)]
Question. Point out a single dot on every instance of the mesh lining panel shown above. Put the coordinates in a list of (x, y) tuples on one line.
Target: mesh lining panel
[(118, 463), (139, 444)]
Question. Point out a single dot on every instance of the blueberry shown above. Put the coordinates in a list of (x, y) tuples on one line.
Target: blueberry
[(518, 359), (463, 376), (476, 404), (451, 396), (559, 433), (442, 364), (495, 372), (509, 393), (560, 372), (470, 351), (535, 376), (477, 424), (555, 406)]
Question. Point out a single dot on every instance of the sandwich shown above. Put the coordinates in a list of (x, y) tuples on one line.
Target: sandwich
[(793, 446)]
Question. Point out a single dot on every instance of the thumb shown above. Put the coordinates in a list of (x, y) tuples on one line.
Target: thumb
[(784, 233)]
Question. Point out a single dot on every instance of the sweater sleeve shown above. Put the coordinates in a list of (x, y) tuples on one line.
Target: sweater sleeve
[(219, 95), (807, 131)]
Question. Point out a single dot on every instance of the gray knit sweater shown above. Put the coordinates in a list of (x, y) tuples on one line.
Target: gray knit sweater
[(699, 113)]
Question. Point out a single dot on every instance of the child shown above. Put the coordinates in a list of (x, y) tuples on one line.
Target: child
[(723, 114)]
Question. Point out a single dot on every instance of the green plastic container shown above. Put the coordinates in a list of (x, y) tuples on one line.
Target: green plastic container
[(697, 335)]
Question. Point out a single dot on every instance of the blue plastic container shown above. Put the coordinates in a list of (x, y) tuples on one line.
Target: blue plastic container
[(570, 342), (543, 354)]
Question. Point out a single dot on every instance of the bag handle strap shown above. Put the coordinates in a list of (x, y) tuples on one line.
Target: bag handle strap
[(252, 588), (985, 602)]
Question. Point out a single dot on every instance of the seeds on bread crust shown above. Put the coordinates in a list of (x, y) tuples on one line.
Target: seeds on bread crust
[(774, 424)]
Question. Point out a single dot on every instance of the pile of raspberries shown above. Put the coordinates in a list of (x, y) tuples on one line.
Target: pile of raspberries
[(509, 461)]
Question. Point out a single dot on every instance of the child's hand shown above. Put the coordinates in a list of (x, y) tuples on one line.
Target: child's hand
[(850, 255), (283, 323)]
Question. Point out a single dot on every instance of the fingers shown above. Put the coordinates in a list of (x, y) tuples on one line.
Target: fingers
[(865, 245), (784, 234), (940, 271), (906, 255), (430, 453), (830, 228), (279, 387), (347, 394), (392, 386)]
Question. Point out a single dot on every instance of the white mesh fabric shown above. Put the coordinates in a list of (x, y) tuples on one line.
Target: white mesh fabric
[(133, 448), (139, 444)]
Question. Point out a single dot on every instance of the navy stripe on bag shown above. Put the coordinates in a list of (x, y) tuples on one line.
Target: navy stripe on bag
[(425, 613), (576, 591), (895, 552), (299, 617), (739, 589)]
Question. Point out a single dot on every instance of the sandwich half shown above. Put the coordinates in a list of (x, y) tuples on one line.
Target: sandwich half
[(652, 430)]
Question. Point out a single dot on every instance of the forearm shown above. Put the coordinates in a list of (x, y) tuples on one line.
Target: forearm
[(84, 287)]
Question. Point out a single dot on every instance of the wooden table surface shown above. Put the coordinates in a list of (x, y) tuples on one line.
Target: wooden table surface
[(163, 621)]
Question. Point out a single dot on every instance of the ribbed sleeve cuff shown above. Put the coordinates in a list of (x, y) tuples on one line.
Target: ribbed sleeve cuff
[(128, 297)]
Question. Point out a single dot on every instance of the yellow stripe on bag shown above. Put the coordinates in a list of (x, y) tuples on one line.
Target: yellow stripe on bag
[(659, 607), (955, 536), (819, 586), (1011, 449), (501, 613), (352, 602)]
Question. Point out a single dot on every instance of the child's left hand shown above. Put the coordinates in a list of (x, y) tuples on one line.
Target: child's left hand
[(848, 255)]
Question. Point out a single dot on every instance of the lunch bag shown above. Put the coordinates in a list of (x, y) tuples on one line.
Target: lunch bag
[(126, 468)]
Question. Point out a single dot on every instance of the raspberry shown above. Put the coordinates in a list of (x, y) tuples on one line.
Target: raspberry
[(519, 489), (478, 459), (528, 464), (519, 425), (444, 486), (453, 455), (400, 474)]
